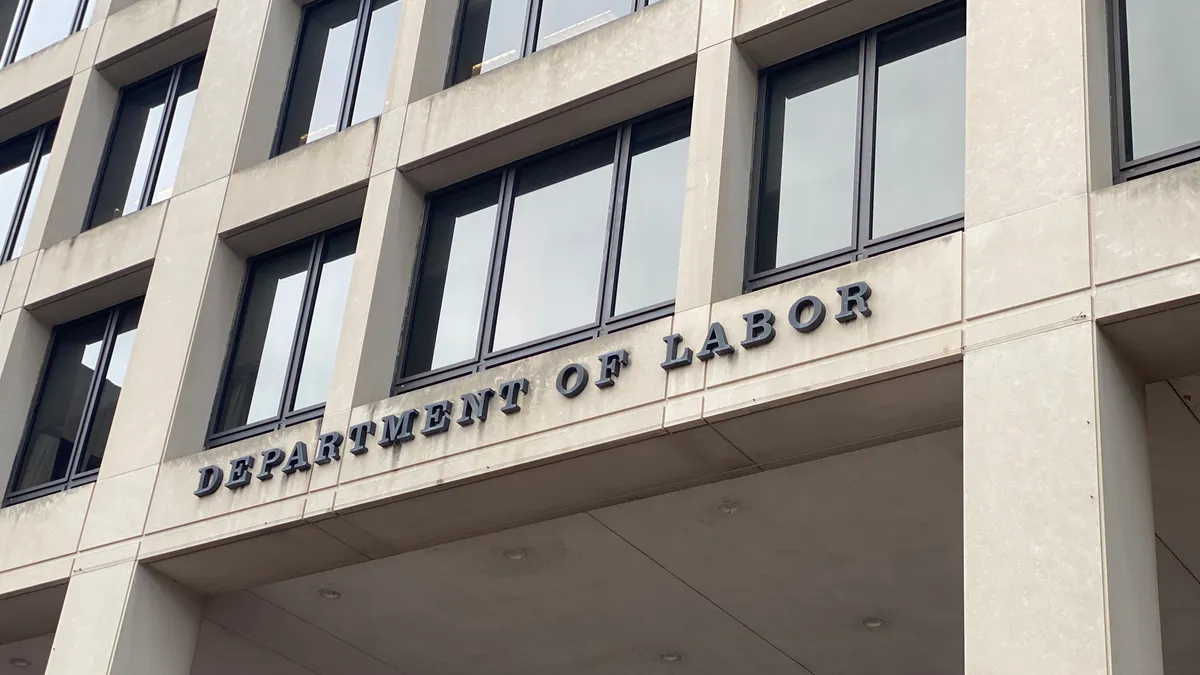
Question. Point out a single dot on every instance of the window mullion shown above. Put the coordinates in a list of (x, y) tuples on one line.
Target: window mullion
[(307, 300), (93, 396), (160, 139), (533, 13), (22, 203), (616, 223), (865, 161), (18, 28), (491, 301), (355, 71), (77, 21)]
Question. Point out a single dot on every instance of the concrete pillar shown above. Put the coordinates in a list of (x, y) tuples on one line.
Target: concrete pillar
[(720, 158), (1059, 572), (376, 305), (124, 619), (422, 56), (274, 47), (66, 192), (23, 343)]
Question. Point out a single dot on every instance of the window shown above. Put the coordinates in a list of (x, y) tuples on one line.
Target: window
[(23, 162), (81, 383), (281, 359), (559, 248), (32, 25), (1157, 63), (146, 142), (495, 32), (862, 148), (342, 68)]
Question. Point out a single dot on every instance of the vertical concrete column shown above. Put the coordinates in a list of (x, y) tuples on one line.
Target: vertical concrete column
[(422, 54), (1058, 530), (75, 161), (23, 343), (1027, 152), (240, 54), (379, 289), (125, 620), (274, 46), (721, 154)]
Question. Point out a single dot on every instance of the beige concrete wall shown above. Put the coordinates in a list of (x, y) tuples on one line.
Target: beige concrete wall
[(1049, 246)]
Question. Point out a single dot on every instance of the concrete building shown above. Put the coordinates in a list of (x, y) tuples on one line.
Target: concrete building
[(435, 337)]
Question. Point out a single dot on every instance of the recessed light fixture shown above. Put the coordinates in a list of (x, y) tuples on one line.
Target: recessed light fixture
[(729, 507), (330, 594), (18, 662), (671, 656), (873, 623), (514, 554)]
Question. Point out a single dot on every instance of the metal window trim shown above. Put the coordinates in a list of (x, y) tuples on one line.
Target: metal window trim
[(621, 135), (73, 477), (283, 417), (864, 245), (26, 190)]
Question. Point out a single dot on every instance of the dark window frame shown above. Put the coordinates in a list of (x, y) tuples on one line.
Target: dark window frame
[(608, 322), (73, 478), (41, 135), (21, 17), (160, 140), (283, 419), (1125, 168), (353, 74), (533, 15), (862, 244)]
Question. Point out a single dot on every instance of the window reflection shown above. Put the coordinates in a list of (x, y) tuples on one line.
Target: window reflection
[(371, 94), (649, 264), (23, 162), (1163, 75), (555, 254), (181, 119), (564, 19), (110, 391), (493, 34), (325, 326), (454, 272), (47, 22)]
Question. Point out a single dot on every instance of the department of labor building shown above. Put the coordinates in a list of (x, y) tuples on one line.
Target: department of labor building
[(601, 337)]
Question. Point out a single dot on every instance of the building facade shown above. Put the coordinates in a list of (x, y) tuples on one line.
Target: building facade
[(599, 336)]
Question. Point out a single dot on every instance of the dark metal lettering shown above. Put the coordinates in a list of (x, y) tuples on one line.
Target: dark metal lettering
[(854, 296), (760, 328), (475, 405), (239, 472), (610, 367), (815, 317), (573, 372), (674, 358), (437, 418), (715, 343), (329, 447), (358, 434), (210, 481), (271, 459), (397, 430), (298, 460), (510, 391)]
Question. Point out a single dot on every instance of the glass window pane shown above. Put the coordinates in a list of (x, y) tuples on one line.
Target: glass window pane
[(555, 253), (563, 19), (807, 206), (14, 167), (453, 282), (89, 5), (319, 81), (325, 326), (1164, 75), (110, 390), (168, 167), (35, 189), (493, 32), (649, 261), (68, 377), (258, 371), (920, 126), (376, 68), (48, 22), (131, 150)]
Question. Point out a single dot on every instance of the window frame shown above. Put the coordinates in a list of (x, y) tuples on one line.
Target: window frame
[(73, 478), (862, 245), (607, 323), (21, 17), (533, 15), (160, 140), (282, 419), (42, 134), (354, 73), (1125, 169)]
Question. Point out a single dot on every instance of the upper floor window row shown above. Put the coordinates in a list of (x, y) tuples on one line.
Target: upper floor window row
[(567, 245), (32, 25), (492, 33), (1157, 74), (862, 147), (341, 70), (23, 162), (80, 385), (146, 142)]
